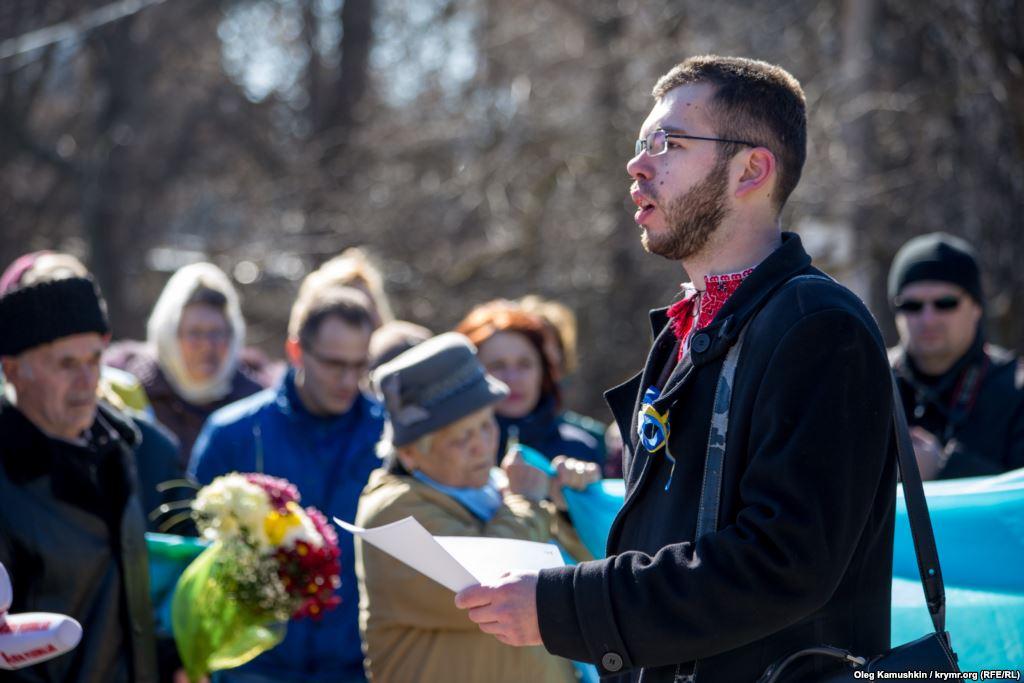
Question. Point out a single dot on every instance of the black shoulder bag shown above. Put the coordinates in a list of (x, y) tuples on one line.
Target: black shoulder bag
[(931, 653)]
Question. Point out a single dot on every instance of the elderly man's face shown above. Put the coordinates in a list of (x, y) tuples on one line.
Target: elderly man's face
[(56, 383), (460, 454)]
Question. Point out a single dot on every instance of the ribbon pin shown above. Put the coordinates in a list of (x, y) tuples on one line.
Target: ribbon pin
[(652, 427)]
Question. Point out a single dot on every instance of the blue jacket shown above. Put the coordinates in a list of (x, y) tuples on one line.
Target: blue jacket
[(329, 459)]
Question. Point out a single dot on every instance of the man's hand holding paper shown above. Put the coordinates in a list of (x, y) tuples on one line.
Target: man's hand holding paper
[(506, 609)]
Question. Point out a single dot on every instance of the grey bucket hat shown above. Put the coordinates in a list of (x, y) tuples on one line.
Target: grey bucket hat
[(434, 384)]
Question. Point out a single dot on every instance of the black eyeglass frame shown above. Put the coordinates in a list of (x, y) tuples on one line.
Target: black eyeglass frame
[(641, 143)]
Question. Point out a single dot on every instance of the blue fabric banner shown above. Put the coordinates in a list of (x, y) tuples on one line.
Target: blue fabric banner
[(979, 531)]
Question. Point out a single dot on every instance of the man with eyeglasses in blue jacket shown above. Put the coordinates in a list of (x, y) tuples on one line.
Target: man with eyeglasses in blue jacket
[(318, 429), (963, 397)]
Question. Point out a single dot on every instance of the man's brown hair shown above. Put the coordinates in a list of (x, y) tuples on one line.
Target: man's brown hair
[(314, 305), (754, 101)]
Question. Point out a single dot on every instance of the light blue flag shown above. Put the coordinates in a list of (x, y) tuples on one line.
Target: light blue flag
[(979, 532)]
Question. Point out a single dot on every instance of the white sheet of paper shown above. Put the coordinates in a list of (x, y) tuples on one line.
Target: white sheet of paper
[(488, 558), (456, 562)]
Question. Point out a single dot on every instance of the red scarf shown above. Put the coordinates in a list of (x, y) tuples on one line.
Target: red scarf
[(717, 290)]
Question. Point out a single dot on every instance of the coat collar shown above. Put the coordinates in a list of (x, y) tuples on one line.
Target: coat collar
[(712, 342), (782, 264), (27, 450), (30, 455), (26, 454), (787, 260)]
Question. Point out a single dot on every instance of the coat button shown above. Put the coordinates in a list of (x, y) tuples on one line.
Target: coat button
[(701, 343), (611, 661)]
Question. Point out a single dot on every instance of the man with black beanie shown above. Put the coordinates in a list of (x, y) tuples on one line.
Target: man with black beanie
[(71, 525), (963, 397)]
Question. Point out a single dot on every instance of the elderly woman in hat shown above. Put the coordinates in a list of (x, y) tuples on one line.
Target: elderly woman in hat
[(438, 469)]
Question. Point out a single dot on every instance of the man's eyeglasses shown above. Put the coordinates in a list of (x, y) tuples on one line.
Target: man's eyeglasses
[(944, 304), (338, 366), (656, 143)]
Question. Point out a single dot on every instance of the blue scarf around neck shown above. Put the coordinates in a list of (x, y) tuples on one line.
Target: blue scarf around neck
[(482, 502)]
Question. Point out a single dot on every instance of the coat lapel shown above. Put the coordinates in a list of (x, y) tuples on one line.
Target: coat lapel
[(636, 469), (621, 400), (659, 356), (680, 375)]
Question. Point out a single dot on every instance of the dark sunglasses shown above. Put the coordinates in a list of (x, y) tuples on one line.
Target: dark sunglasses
[(942, 304)]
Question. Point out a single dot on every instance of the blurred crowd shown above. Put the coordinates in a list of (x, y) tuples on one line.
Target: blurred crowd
[(373, 419)]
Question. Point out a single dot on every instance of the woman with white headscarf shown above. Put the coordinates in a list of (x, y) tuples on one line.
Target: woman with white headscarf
[(190, 364)]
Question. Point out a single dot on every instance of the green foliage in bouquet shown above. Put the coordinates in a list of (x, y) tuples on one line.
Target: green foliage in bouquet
[(270, 560), (216, 624)]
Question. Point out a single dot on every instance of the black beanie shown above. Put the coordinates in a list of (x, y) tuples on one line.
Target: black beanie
[(47, 311), (936, 256)]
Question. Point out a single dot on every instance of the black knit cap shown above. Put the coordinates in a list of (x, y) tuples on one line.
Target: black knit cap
[(47, 311), (936, 256)]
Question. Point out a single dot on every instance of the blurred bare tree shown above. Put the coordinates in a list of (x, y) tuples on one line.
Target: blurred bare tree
[(478, 147)]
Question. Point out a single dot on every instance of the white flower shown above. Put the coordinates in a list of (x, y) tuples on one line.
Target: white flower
[(230, 506)]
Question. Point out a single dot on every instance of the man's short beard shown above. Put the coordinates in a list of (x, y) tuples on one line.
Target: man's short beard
[(693, 218)]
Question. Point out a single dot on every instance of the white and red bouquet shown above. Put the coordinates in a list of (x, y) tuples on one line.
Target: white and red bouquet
[(270, 561)]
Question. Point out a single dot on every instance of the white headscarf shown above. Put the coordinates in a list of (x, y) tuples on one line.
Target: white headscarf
[(162, 332)]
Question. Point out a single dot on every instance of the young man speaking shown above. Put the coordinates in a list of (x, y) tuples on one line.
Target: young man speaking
[(797, 548)]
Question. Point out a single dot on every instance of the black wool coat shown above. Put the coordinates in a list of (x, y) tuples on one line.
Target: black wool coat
[(803, 551), (72, 539)]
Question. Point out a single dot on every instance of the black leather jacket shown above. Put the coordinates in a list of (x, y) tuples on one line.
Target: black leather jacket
[(72, 539)]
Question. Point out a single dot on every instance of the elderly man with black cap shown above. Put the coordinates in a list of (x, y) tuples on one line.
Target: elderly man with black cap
[(71, 525), (438, 469), (963, 397)]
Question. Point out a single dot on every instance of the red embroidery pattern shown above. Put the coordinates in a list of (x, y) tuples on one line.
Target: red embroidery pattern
[(680, 315), (717, 290)]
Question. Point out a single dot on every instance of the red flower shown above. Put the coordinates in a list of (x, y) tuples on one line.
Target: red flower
[(312, 573), (280, 491)]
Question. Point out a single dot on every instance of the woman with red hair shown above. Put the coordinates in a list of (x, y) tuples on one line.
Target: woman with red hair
[(519, 348)]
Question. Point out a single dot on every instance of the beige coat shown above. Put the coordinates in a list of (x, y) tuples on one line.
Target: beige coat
[(411, 629)]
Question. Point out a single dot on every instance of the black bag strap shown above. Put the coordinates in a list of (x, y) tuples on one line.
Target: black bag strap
[(917, 512), (913, 490)]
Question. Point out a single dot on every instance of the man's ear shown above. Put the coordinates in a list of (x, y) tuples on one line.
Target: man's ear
[(759, 171), (293, 351), (10, 367), (17, 369)]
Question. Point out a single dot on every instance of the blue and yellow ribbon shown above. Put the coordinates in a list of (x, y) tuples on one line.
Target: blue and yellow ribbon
[(652, 427)]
